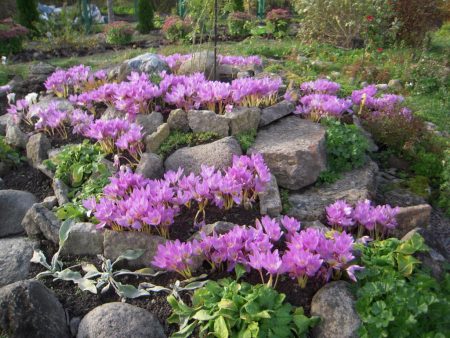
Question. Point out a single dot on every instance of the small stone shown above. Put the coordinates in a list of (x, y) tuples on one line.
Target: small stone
[(41, 220), (37, 148), (244, 74), (50, 202), (111, 113), (154, 141), (4, 120), (208, 121), (218, 154), (294, 150), (61, 191), (151, 166), (117, 242), (148, 63), (243, 119), (335, 305), (30, 309), (269, 200), (84, 240), (149, 122), (178, 120), (408, 218), (15, 255), (119, 320), (14, 204), (395, 84), (15, 137), (382, 86), (219, 227), (276, 112)]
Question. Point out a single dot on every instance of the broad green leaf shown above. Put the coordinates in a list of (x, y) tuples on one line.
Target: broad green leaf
[(406, 264), (220, 328), (129, 291), (130, 255), (203, 315), (68, 275), (87, 267), (194, 285), (186, 332), (239, 270), (64, 231), (412, 245), (87, 285), (77, 173)]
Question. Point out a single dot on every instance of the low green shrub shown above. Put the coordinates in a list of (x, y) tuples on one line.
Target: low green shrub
[(227, 308), (278, 20), (398, 298), (28, 14), (286, 204), (8, 155), (175, 29), (118, 33), (246, 139), (179, 139), (239, 24), (11, 37), (145, 14), (444, 198)]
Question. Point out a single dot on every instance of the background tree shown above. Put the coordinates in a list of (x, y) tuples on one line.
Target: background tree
[(109, 5), (238, 5), (27, 13), (145, 16)]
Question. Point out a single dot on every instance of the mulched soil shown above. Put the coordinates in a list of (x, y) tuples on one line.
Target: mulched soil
[(29, 179)]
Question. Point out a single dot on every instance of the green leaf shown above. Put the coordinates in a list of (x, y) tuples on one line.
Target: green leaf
[(412, 245), (130, 255), (203, 315), (64, 231), (77, 173), (186, 332), (220, 328), (239, 270), (129, 291), (68, 275), (39, 258), (406, 264), (87, 285)]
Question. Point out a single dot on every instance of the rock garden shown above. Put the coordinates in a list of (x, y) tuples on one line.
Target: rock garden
[(196, 194)]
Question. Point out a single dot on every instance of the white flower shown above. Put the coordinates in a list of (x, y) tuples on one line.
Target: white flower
[(4, 60), (31, 98), (11, 98)]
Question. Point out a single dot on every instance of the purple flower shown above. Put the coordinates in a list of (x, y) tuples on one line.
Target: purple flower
[(320, 86), (339, 214)]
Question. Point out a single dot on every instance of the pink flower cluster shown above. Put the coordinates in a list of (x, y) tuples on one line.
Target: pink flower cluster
[(378, 220), (320, 86), (384, 105), (132, 202), (318, 106), (50, 119), (308, 253), (73, 80)]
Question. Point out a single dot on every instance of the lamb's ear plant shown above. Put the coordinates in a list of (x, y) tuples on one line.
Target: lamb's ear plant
[(176, 288)]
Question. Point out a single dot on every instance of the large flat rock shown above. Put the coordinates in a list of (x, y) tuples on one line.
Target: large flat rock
[(294, 150), (14, 204)]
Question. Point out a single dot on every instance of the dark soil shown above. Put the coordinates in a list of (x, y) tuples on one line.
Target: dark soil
[(29, 179)]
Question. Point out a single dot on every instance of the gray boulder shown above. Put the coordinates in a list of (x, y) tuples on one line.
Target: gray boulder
[(355, 185), (276, 112), (40, 220), (15, 137), (61, 191), (154, 140), (178, 120), (15, 255), (294, 150), (208, 121), (14, 204), (83, 240), (151, 166), (38, 146), (269, 200), (200, 62), (408, 218), (29, 309), (150, 122), (116, 243), (218, 154), (4, 120), (44, 101), (148, 63), (335, 305), (243, 119), (119, 320)]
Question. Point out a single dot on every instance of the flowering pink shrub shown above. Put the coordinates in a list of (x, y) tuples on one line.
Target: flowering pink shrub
[(131, 202), (175, 28), (377, 220), (278, 14), (309, 253)]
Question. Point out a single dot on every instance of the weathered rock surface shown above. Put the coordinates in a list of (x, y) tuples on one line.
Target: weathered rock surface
[(294, 150), (116, 243), (28, 309), (218, 154), (15, 137), (148, 63), (243, 119), (44, 102), (83, 240), (149, 122), (37, 148), (61, 191), (335, 306), (39, 220), (408, 218), (355, 185), (14, 204), (201, 62), (4, 120), (151, 166), (119, 320), (208, 121), (276, 112), (15, 255), (154, 141), (269, 200), (178, 120)]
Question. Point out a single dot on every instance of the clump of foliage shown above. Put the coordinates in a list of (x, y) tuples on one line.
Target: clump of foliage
[(118, 33), (246, 139), (179, 139), (237, 5), (286, 204), (444, 198), (278, 21), (145, 14), (82, 169), (8, 155), (28, 14), (346, 149), (11, 37), (395, 297), (227, 308), (239, 24), (175, 29)]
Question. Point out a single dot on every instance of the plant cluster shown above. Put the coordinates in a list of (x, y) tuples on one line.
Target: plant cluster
[(178, 139), (11, 37), (239, 24), (118, 33), (278, 20), (145, 16), (444, 198), (377, 220), (397, 297), (227, 308), (175, 28), (8, 155), (132, 202), (28, 14), (309, 253)]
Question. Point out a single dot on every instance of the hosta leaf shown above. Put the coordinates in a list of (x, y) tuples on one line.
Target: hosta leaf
[(406, 264), (129, 291), (220, 328)]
